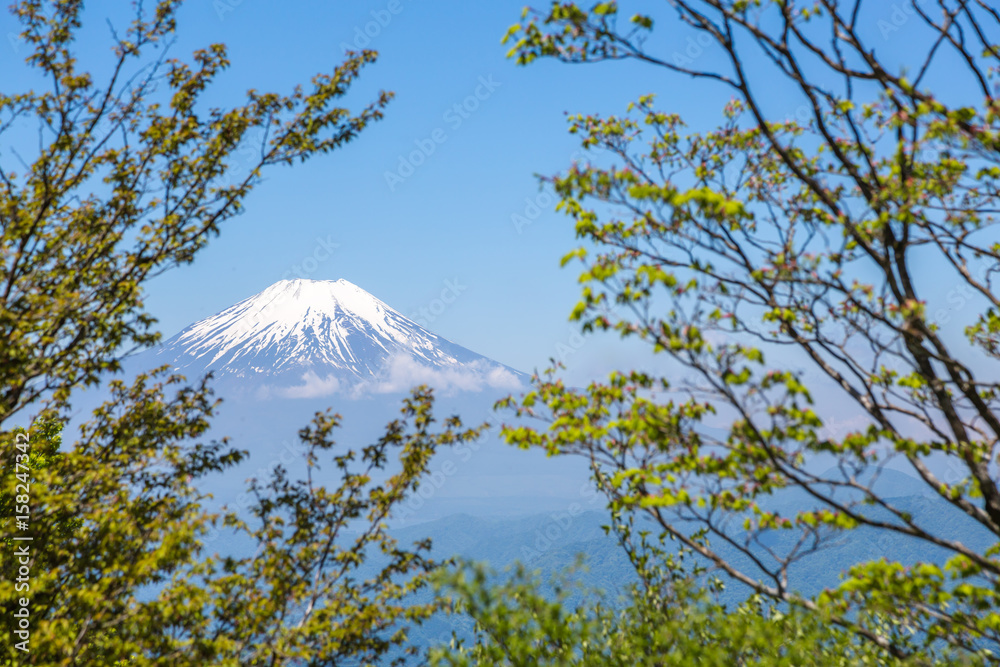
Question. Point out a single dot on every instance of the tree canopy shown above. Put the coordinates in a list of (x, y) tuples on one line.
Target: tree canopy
[(109, 560), (789, 264), (133, 175)]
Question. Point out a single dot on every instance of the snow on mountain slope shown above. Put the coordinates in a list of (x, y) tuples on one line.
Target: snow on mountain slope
[(305, 338)]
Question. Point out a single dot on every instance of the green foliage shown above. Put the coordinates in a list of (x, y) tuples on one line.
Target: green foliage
[(131, 177), (525, 621), (790, 268), (119, 568), (45, 438)]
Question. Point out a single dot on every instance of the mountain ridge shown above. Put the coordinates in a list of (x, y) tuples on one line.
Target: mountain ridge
[(307, 338)]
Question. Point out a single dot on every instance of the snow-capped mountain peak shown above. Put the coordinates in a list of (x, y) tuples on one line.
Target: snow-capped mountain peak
[(322, 336)]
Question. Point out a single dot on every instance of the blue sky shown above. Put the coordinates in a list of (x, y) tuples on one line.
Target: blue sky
[(446, 231), (445, 228)]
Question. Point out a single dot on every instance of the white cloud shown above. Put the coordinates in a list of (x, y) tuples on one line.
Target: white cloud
[(312, 386), (402, 373), (399, 375)]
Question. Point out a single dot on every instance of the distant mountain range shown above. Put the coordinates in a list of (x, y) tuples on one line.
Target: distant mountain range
[(550, 542)]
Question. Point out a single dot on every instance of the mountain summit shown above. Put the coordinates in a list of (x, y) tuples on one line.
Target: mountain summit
[(305, 338)]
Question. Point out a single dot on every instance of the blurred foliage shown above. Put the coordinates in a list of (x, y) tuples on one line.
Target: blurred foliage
[(133, 173), (790, 269)]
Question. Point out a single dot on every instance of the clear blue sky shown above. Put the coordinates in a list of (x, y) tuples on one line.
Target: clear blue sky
[(449, 223), (448, 226)]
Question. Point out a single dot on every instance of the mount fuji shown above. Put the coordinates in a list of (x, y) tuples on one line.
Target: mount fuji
[(305, 346), (313, 338)]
